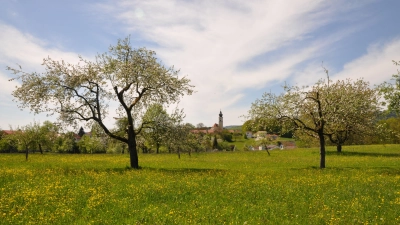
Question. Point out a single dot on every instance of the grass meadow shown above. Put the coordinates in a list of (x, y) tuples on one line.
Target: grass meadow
[(359, 186)]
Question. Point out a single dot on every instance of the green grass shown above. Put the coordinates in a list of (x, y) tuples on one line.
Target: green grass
[(359, 186)]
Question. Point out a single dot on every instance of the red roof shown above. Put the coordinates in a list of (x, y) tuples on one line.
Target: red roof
[(198, 131), (8, 131)]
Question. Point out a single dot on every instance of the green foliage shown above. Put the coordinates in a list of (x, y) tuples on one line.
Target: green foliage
[(66, 143), (215, 142), (225, 146), (226, 136), (390, 130), (262, 124), (8, 145), (304, 140), (247, 126), (91, 144), (156, 124), (391, 91)]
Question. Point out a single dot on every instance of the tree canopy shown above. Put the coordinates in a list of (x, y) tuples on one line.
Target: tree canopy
[(79, 93), (326, 109), (158, 122)]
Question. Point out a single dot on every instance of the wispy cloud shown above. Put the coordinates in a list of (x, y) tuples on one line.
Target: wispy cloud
[(18, 48), (376, 65), (211, 40), (230, 50), (21, 48)]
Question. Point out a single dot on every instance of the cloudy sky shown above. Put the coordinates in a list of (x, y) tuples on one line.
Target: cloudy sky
[(232, 51)]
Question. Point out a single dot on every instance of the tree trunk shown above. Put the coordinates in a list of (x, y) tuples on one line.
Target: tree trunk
[(339, 148), (132, 149), (157, 147), (26, 154), (40, 149), (179, 153), (322, 150), (133, 154)]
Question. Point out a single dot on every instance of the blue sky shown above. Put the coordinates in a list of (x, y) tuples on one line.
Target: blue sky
[(233, 51)]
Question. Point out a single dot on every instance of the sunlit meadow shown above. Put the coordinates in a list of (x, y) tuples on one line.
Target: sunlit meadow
[(360, 186)]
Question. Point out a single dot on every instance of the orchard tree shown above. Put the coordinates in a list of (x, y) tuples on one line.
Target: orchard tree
[(178, 137), (319, 111), (390, 130), (200, 125), (25, 139), (66, 143), (43, 136), (264, 142), (357, 114), (296, 109), (391, 91), (48, 135), (7, 143), (81, 132), (131, 78), (156, 121)]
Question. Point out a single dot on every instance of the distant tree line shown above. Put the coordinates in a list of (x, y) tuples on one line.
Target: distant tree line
[(162, 133)]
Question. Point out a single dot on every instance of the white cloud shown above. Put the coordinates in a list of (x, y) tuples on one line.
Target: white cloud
[(215, 42), (375, 66), (18, 48), (210, 40), (27, 50)]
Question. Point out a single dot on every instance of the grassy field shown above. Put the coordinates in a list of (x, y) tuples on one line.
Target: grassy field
[(360, 186)]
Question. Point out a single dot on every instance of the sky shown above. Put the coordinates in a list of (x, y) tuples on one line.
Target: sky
[(232, 51)]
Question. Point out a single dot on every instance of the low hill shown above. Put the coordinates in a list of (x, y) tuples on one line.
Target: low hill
[(233, 127)]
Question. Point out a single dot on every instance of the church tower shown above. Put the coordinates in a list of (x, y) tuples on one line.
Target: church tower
[(221, 121)]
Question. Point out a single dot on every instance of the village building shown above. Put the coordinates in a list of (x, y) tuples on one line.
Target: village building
[(216, 128), (7, 132)]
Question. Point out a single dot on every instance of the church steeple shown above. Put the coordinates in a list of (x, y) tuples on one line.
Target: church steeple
[(220, 120)]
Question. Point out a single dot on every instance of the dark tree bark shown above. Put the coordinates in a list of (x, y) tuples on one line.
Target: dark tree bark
[(132, 147), (322, 149), (339, 148), (340, 138), (40, 149)]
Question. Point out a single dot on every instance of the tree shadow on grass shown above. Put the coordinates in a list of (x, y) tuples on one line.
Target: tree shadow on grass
[(122, 170), (184, 170), (371, 154), (392, 171)]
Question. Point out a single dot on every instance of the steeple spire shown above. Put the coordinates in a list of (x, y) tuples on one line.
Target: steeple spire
[(220, 120)]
